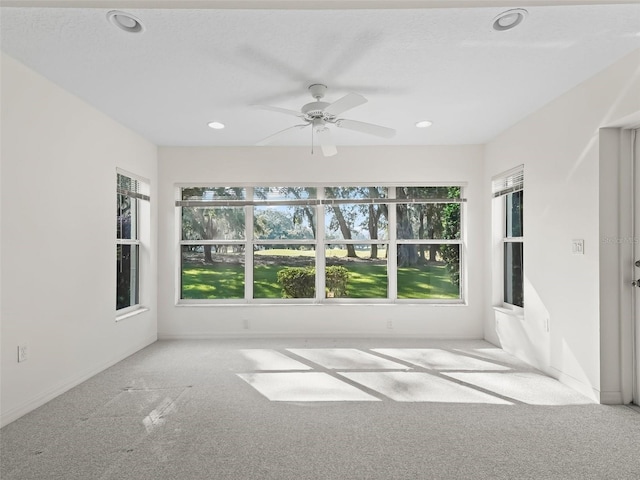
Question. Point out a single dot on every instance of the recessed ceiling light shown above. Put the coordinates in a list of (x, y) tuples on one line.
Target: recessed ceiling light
[(216, 125), (509, 19), (125, 21), (424, 124)]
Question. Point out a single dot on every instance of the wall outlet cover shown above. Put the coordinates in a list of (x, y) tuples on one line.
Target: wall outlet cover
[(22, 353), (577, 247)]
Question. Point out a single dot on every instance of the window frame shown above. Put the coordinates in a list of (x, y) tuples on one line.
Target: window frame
[(139, 193), (504, 185), (320, 243)]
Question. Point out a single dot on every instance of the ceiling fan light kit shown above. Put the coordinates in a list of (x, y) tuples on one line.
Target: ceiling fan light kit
[(321, 114)]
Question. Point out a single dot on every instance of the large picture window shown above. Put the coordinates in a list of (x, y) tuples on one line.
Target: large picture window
[(129, 193), (321, 244)]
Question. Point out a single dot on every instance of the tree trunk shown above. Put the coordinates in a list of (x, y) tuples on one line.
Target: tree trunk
[(421, 235), (373, 230), (433, 251), (207, 254), (309, 214), (407, 253), (344, 228)]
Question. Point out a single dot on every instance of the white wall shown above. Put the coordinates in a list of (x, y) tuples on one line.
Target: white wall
[(291, 165), (571, 192), (59, 159)]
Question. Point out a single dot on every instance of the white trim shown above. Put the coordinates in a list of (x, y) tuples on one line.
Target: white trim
[(127, 241), (630, 361), (392, 250), (306, 334), (129, 312), (510, 310), (321, 253), (321, 243), (329, 302), (605, 398), (213, 242), (609, 398), (431, 241), (502, 198), (249, 230), (135, 241)]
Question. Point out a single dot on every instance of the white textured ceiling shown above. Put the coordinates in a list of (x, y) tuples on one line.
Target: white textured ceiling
[(446, 65)]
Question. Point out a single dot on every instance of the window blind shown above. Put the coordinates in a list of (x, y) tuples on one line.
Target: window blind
[(508, 182), (327, 201), (132, 187)]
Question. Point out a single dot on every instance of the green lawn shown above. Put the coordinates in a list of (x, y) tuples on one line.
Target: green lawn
[(429, 281), (213, 281), (366, 280)]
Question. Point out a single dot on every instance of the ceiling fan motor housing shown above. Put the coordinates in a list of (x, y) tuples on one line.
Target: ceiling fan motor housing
[(315, 110), (319, 115)]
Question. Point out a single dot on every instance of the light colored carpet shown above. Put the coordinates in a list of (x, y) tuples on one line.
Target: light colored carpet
[(322, 409)]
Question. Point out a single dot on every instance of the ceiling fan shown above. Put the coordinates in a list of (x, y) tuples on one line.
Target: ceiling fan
[(319, 115)]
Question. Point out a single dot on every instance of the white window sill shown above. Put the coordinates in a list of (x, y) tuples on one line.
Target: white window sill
[(353, 302), (132, 313), (517, 314)]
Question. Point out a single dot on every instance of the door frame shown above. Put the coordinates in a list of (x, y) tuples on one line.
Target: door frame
[(631, 137), (619, 249)]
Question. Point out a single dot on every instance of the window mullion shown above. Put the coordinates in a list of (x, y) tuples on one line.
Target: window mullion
[(127, 241), (248, 249), (392, 248), (320, 249)]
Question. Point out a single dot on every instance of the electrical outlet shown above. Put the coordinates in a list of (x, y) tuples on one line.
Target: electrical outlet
[(245, 324), (546, 325), (577, 247), (390, 324), (22, 353)]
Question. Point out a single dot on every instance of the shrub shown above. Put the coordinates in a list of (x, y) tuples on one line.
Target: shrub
[(337, 278), (297, 282), (451, 229), (300, 282)]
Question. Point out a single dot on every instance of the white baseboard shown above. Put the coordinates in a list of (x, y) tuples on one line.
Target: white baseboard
[(272, 335), (39, 400), (572, 382), (611, 398)]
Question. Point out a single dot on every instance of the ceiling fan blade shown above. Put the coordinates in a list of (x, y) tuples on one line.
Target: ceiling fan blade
[(326, 142), (349, 101), (279, 109), (271, 138), (364, 127)]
